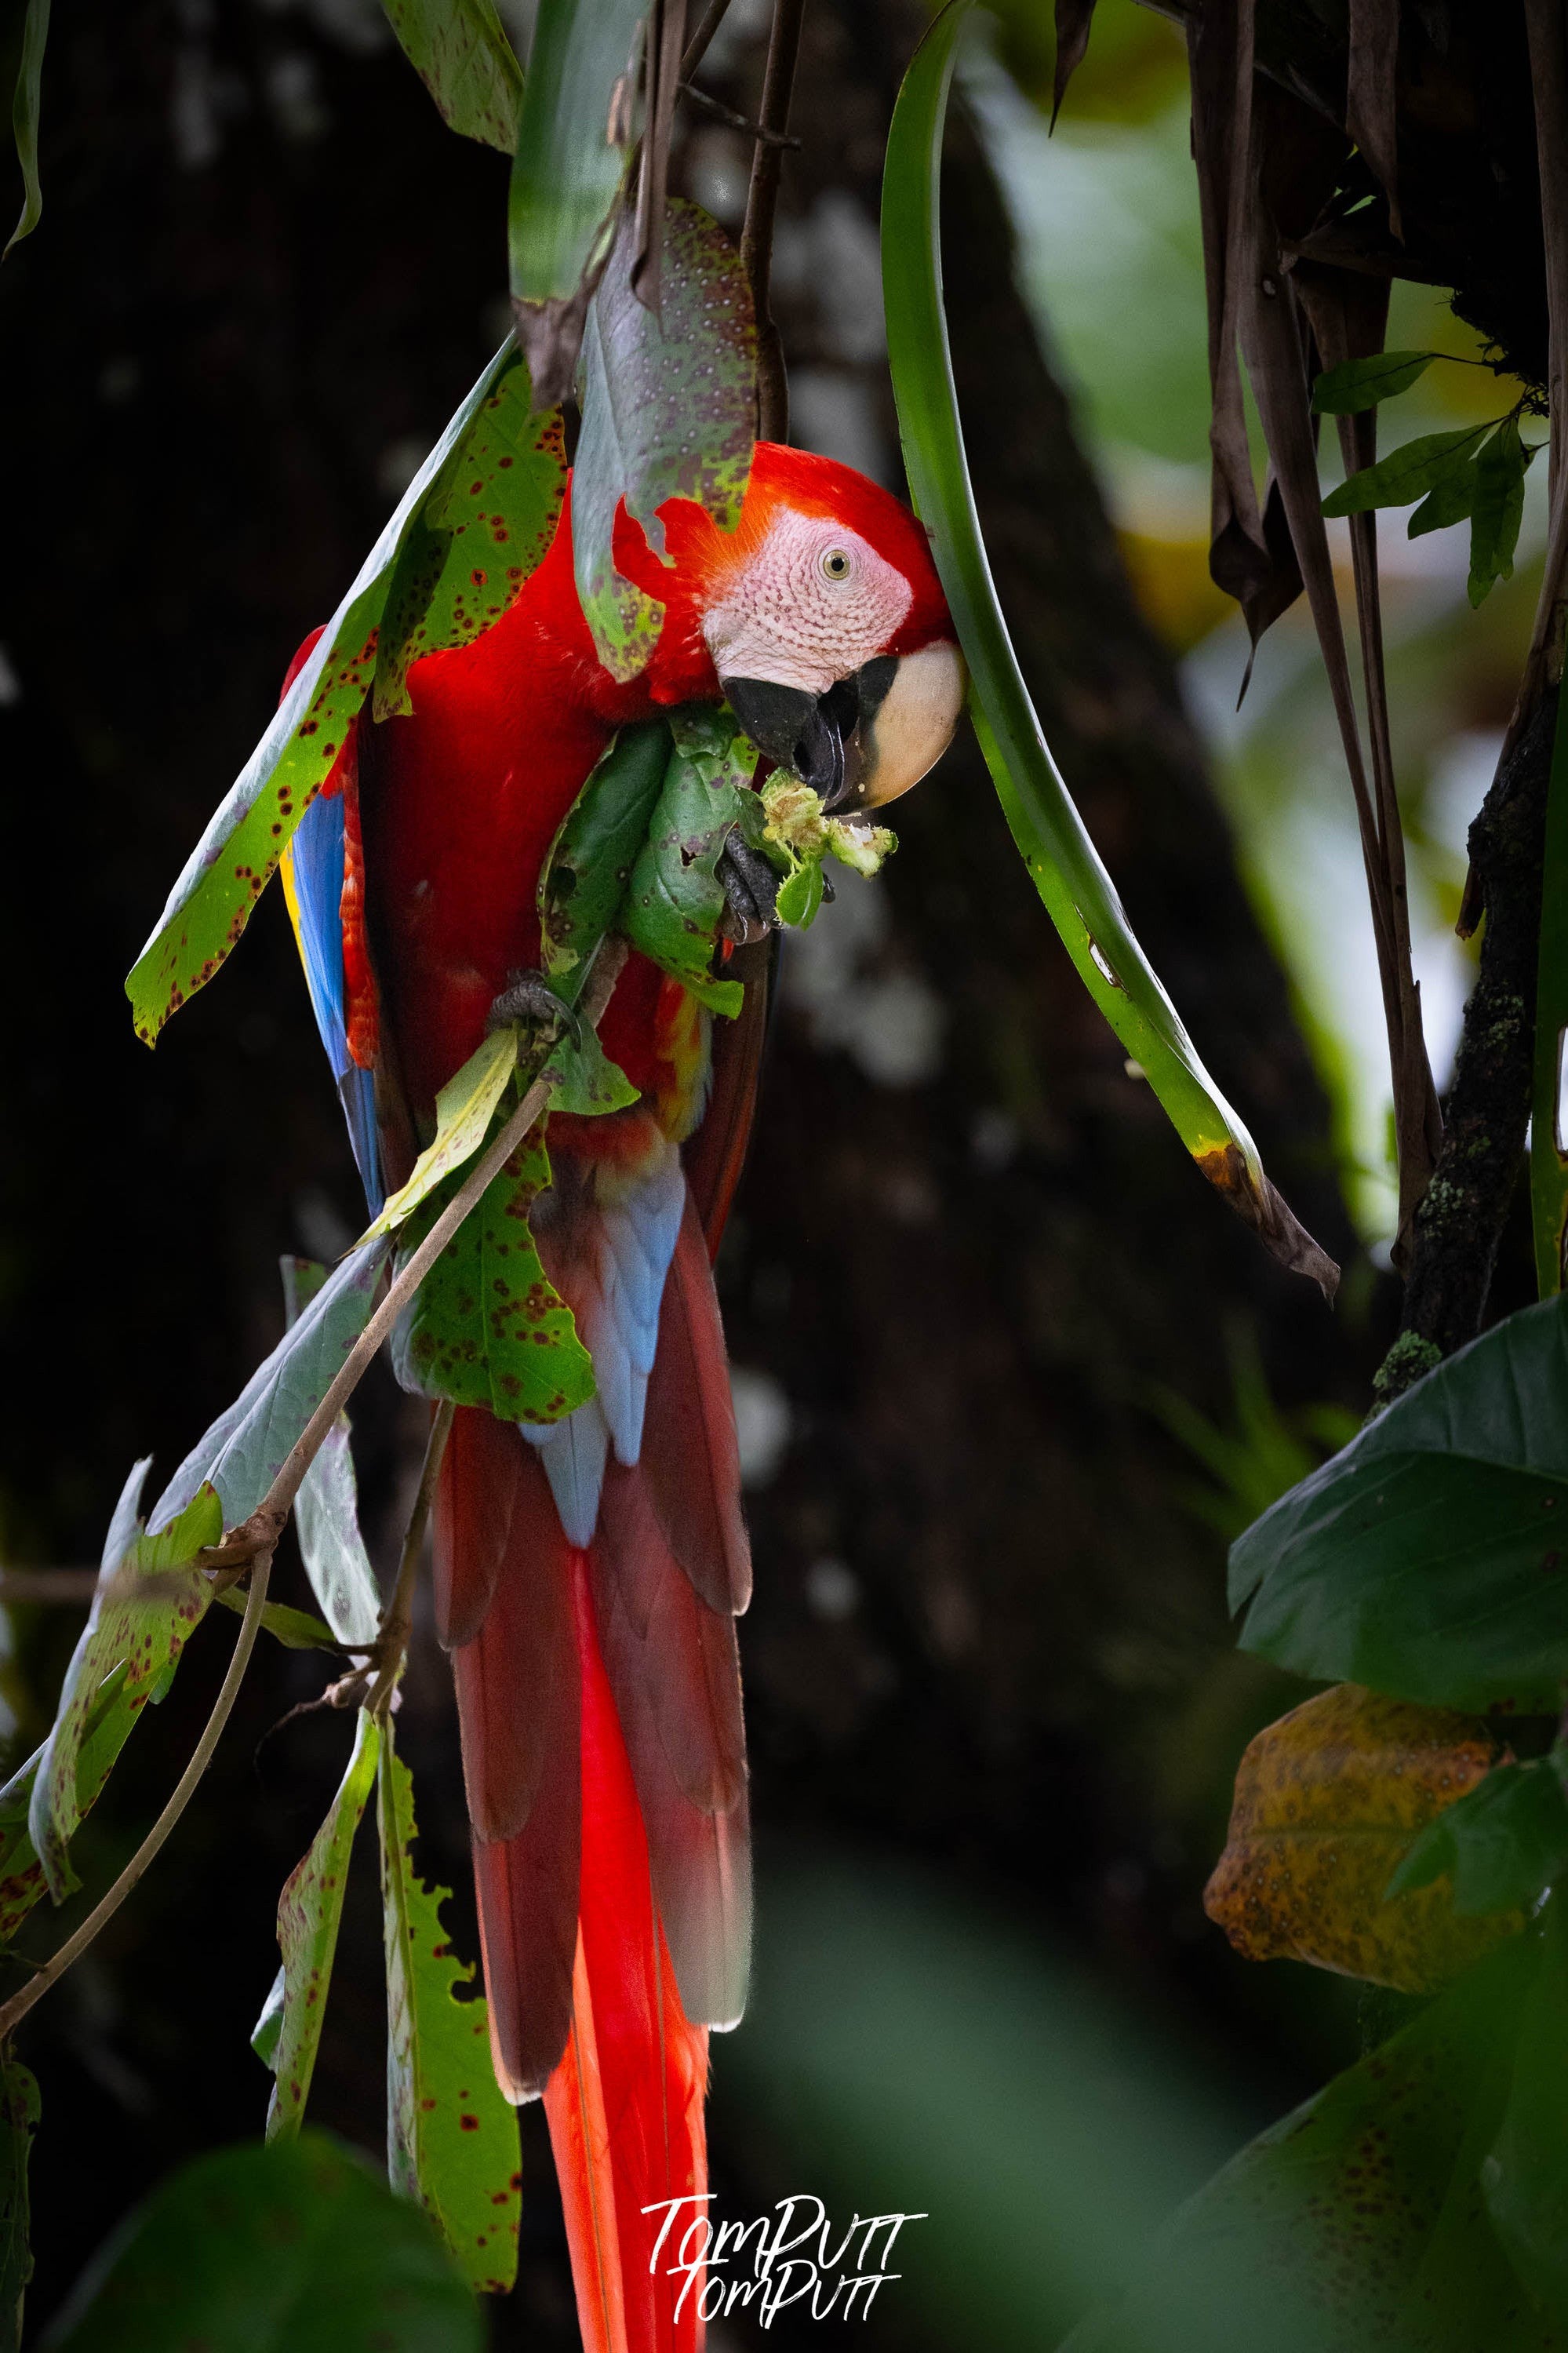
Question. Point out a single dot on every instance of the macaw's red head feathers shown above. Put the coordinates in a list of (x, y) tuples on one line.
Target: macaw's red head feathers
[(826, 625)]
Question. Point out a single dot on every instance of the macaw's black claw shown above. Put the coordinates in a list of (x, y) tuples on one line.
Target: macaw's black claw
[(528, 996), (751, 885)]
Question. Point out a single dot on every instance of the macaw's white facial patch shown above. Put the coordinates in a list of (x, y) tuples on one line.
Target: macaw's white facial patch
[(812, 604)]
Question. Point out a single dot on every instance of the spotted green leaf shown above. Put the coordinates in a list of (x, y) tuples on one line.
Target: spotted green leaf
[(310, 1910), (460, 52), (478, 536), (451, 2135), (1502, 1844), (588, 1083), (674, 899), (488, 1327), (211, 903), (591, 859), (464, 1109), (669, 411), (148, 1599)]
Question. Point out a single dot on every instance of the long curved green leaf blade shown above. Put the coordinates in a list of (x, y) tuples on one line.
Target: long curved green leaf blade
[(572, 135), (451, 2134), (309, 1912), (460, 52), (25, 107), (238, 853), (1051, 837), (669, 411), (591, 859), (1548, 1160), (286, 2247), (1430, 1557)]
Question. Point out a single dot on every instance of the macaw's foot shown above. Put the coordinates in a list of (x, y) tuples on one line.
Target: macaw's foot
[(750, 887), (528, 996)]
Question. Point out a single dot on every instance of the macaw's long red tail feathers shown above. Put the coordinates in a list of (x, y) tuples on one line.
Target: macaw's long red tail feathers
[(625, 2105), (517, 1688), (475, 1500)]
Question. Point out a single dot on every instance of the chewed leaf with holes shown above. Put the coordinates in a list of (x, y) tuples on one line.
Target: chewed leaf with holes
[(674, 899), (1051, 837), (488, 1327), (669, 411), (308, 1913), (451, 2135), (1430, 1557), (460, 52), (590, 860), (478, 536), (211, 903), (148, 1599), (1328, 1803)]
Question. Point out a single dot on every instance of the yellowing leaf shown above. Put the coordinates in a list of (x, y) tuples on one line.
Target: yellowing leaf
[(1328, 1800), (463, 1112)]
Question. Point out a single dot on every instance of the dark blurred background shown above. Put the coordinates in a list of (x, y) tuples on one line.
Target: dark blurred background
[(986, 1319)]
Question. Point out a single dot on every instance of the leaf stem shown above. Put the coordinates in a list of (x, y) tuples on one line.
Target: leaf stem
[(22, 2002), (392, 1638)]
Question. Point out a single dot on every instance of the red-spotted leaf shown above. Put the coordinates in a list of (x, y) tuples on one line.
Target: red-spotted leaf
[(148, 1599), (460, 52), (308, 1913), (669, 411), (451, 2135), (224, 875)]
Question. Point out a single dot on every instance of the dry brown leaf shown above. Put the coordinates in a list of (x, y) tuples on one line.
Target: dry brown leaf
[(1328, 1802), (1370, 104), (1073, 18)]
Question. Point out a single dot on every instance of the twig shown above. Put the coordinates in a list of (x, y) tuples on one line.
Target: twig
[(22, 2002), (717, 111), (696, 47), (762, 207), (398, 1618), (62, 1584)]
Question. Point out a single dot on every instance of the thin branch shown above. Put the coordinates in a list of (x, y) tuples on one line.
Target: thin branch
[(717, 112), (397, 1621), (62, 1584), (696, 47), (22, 2002), (761, 208)]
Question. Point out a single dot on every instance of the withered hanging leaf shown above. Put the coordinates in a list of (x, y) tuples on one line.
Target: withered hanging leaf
[(1370, 108), (1346, 390), (1327, 1803), (1073, 18)]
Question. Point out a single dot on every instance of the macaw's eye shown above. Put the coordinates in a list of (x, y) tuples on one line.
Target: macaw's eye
[(836, 563)]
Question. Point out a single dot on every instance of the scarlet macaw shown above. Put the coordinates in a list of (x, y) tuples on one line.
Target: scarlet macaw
[(588, 1573)]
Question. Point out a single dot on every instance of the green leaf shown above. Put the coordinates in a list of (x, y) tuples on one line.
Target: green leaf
[(460, 52), (25, 107), (326, 1510), (310, 1910), (109, 1723), (568, 168), (669, 411), (148, 1599), (1430, 1557), (288, 2246), (1356, 2224), (1452, 502), (226, 873), (1548, 1161), (297, 1629), (1500, 466), (1050, 835), (19, 2112), (1503, 1843), (800, 896), (1524, 2177), (1405, 473), (246, 1448), (482, 532), (451, 2134), (589, 1083), (1361, 384), (674, 901), (591, 859), (488, 1327), (464, 1109)]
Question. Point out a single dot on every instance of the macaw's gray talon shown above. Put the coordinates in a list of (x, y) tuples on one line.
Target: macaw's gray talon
[(528, 996), (749, 882)]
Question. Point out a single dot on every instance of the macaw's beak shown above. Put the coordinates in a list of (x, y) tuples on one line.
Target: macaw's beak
[(870, 737)]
